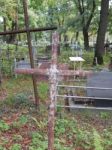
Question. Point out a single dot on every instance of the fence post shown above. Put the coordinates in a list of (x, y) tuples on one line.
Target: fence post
[(15, 66), (53, 88)]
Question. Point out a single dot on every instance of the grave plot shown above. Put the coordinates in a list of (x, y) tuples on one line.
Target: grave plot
[(102, 89), (53, 72), (22, 64), (93, 93)]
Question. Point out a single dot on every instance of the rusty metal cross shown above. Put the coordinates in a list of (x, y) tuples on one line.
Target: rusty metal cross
[(28, 31), (53, 72)]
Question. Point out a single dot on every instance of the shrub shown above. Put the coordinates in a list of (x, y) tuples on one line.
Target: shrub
[(97, 141), (4, 126), (18, 100), (43, 90), (16, 147)]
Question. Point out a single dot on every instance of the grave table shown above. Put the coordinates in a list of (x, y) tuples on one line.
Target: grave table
[(75, 60)]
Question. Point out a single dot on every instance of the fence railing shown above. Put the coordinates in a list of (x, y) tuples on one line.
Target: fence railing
[(84, 98)]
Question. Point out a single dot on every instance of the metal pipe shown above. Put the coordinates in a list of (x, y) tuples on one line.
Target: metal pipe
[(32, 71), (26, 18), (60, 72), (29, 30), (83, 107), (84, 97), (80, 73), (84, 87)]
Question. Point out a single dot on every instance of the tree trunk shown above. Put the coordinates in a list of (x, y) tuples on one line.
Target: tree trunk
[(19, 37), (99, 50), (66, 41), (86, 39), (0, 78), (12, 37), (77, 36), (5, 27), (59, 46), (86, 21)]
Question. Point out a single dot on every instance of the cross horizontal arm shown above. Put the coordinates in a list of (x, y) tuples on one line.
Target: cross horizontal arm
[(32, 71), (80, 73), (27, 30), (60, 72)]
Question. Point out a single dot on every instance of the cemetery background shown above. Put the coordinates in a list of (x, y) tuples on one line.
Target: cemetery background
[(24, 126)]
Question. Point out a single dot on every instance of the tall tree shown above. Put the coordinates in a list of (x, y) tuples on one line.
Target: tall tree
[(99, 50), (8, 12), (109, 30), (86, 10)]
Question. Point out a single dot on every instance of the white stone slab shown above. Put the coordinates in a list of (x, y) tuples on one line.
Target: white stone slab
[(76, 59)]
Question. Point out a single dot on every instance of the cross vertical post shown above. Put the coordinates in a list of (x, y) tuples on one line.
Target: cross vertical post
[(26, 18), (53, 88)]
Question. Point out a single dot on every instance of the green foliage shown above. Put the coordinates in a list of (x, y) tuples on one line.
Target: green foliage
[(35, 3), (9, 101), (23, 120), (39, 142), (4, 140), (107, 138), (17, 138), (40, 124), (83, 138), (19, 100), (16, 147), (6, 67), (43, 90), (8, 8), (105, 115), (20, 122), (64, 57), (88, 57), (60, 127), (66, 130), (7, 56), (58, 145), (77, 135), (4, 126), (97, 141), (2, 148)]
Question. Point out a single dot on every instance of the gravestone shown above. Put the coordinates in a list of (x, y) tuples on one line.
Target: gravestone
[(23, 64), (76, 49), (101, 80)]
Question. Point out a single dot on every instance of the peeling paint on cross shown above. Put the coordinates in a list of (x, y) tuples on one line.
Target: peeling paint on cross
[(53, 74)]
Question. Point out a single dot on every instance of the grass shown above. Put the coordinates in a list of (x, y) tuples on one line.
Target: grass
[(71, 132), (20, 83), (24, 128)]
